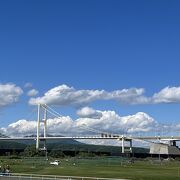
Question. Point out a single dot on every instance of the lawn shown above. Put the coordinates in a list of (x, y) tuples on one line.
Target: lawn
[(98, 167)]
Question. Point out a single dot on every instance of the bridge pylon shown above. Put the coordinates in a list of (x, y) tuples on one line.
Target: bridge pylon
[(44, 122)]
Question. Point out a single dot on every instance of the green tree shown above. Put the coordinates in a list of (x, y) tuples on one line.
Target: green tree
[(30, 151)]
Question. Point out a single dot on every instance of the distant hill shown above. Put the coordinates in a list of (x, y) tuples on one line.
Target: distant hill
[(11, 145), (59, 141), (92, 148), (3, 136), (65, 145)]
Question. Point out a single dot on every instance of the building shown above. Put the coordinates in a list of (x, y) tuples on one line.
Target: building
[(160, 148)]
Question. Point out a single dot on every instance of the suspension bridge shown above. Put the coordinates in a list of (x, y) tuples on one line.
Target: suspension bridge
[(42, 120)]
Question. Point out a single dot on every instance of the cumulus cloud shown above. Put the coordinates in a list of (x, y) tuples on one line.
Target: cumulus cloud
[(130, 96), (20, 128), (112, 122), (87, 112), (9, 94), (32, 92), (167, 95), (109, 122), (65, 95)]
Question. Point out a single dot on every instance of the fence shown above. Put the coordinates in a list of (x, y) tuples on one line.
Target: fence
[(49, 177)]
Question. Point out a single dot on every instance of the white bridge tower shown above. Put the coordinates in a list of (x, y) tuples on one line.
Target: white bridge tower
[(43, 122)]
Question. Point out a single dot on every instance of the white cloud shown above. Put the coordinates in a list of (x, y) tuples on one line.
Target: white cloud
[(87, 112), (21, 128), (167, 95), (109, 122), (130, 96), (112, 122), (9, 94), (32, 92), (65, 95)]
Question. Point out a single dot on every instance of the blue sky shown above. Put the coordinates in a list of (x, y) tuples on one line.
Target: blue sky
[(98, 44)]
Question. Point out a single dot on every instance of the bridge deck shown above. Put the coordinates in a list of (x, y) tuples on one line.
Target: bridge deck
[(168, 138)]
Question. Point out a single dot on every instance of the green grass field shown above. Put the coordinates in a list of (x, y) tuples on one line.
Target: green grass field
[(97, 167)]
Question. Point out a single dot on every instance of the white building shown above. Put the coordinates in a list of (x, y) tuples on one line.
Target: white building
[(160, 148)]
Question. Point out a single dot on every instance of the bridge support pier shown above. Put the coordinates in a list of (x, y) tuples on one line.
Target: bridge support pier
[(130, 145), (123, 150), (172, 143)]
